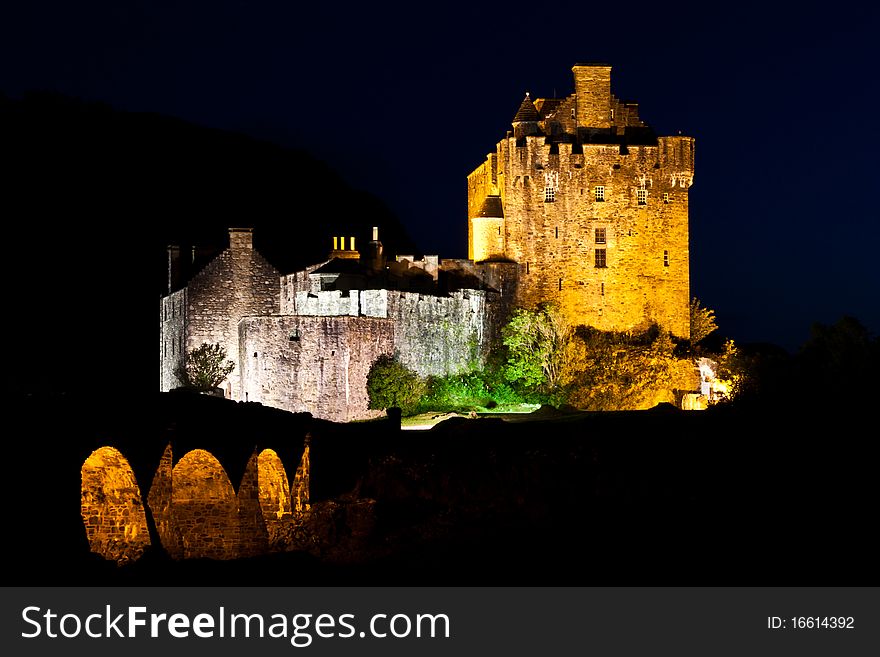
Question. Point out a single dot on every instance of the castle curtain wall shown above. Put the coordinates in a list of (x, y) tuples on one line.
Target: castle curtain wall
[(317, 365)]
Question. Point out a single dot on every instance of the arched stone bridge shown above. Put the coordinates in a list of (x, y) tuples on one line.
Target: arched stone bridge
[(191, 507)]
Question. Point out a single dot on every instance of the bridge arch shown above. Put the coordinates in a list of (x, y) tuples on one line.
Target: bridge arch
[(111, 507), (204, 508)]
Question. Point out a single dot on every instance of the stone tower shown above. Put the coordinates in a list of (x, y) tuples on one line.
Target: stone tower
[(591, 206)]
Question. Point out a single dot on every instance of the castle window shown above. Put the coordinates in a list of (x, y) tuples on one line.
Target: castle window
[(527, 268), (551, 184), (557, 232), (666, 258), (666, 197), (572, 112), (294, 335), (612, 114), (600, 193), (642, 195), (602, 289), (600, 258), (600, 236), (560, 285)]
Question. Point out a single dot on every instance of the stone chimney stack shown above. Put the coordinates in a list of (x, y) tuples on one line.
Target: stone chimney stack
[(592, 84), (374, 258), (174, 267), (241, 238)]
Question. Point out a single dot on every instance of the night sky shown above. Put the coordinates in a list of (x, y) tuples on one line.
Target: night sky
[(405, 101)]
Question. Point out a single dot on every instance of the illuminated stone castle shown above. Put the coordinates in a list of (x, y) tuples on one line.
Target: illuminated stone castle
[(580, 204), (591, 206)]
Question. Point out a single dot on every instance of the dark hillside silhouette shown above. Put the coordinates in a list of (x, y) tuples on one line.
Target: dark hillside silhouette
[(91, 197)]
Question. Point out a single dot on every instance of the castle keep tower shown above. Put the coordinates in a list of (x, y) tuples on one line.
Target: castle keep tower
[(591, 206)]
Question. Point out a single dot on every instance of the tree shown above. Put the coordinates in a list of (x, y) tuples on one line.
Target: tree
[(205, 368), (702, 321), (612, 371), (392, 384), (535, 341)]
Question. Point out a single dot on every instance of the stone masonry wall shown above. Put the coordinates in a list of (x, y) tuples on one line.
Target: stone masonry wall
[(236, 283), (292, 285), (646, 274), (441, 335), (172, 338), (195, 510), (204, 508), (317, 365), (112, 508)]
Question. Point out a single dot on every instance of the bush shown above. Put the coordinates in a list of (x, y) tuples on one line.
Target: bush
[(391, 384), (206, 367)]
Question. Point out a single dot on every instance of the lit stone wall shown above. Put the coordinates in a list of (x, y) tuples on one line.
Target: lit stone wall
[(317, 365), (112, 508), (300, 491), (204, 508), (275, 500), (291, 284), (236, 283), (440, 335), (488, 238), (253, 534), (159, 502), (172, 338)]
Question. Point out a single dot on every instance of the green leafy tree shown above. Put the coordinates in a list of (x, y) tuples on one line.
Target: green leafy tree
[(391, 384), (610, 371), (535, 341), (205, 368), (702, 321)]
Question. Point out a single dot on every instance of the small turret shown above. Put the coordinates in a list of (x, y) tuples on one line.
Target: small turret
[(526, 120)]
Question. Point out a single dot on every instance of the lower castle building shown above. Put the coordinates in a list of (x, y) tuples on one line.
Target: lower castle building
[(305, 342), (580, 204)]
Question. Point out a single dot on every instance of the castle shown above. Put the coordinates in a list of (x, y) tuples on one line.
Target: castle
[(580, 204)]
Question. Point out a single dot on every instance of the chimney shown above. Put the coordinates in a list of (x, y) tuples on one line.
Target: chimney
[(174, 267), (374, 257), (241, 238), (592, 85)]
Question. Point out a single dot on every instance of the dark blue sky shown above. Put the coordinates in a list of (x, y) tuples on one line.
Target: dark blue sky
[(406, 100)]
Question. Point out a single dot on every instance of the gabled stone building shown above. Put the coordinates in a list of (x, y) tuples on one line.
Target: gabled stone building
[(305, 342)]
